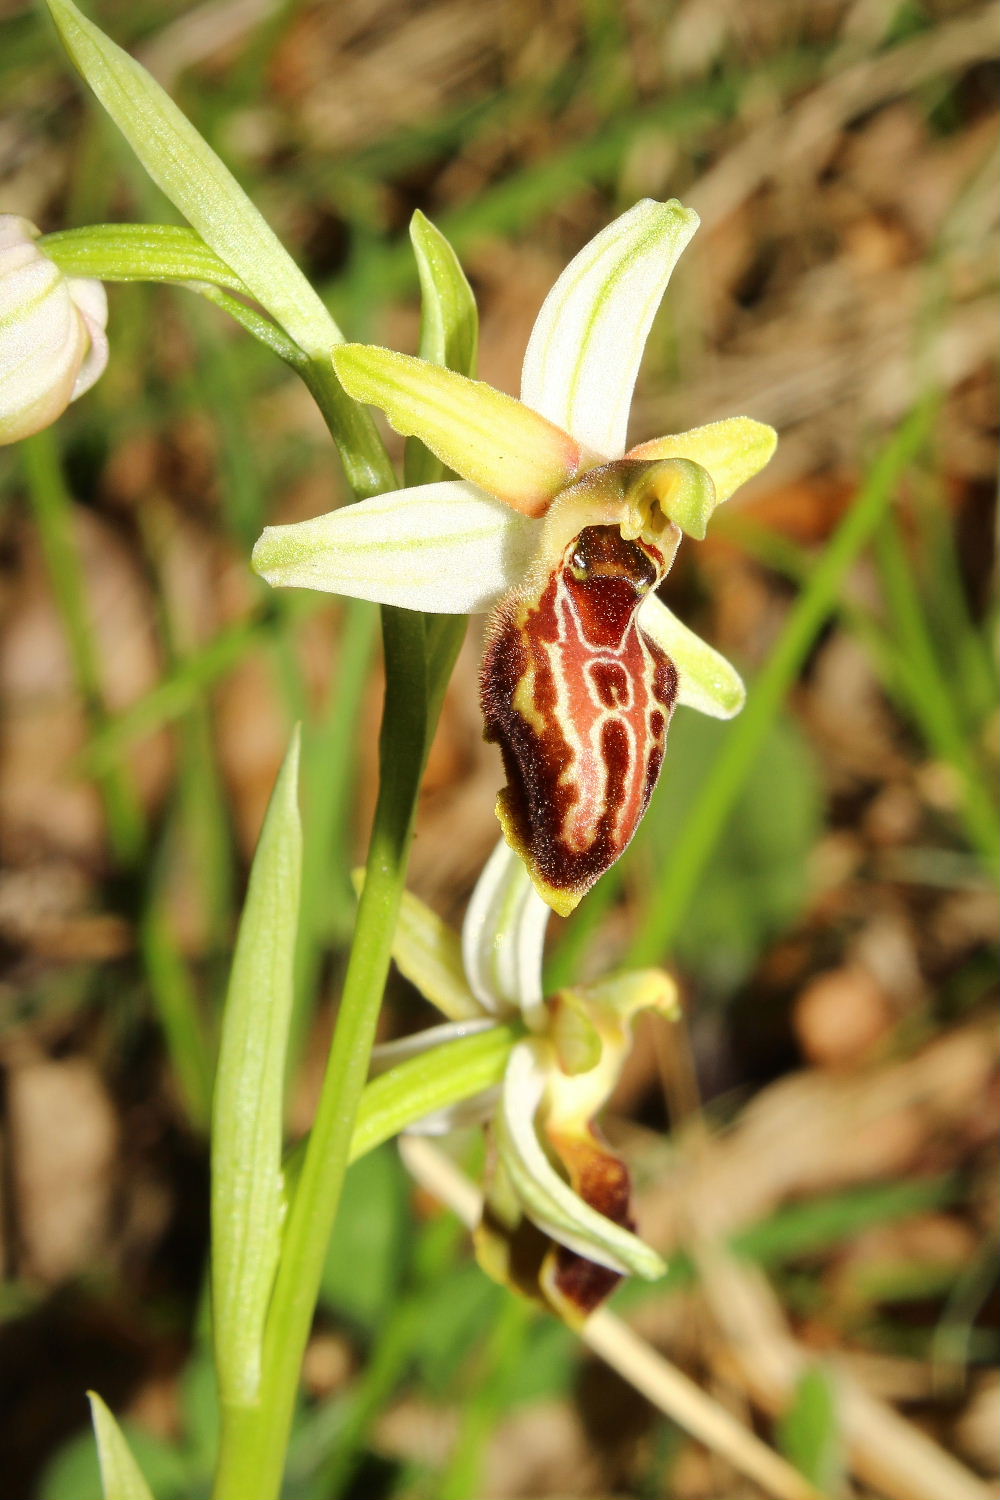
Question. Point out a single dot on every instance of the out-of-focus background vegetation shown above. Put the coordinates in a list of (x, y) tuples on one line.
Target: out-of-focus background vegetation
[(814, 1144)]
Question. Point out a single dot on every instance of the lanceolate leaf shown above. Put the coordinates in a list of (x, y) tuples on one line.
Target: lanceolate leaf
[(185, 167), (247, 1114)]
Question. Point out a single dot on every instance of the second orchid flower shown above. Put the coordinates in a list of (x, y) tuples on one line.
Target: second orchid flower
[(557, 1222)]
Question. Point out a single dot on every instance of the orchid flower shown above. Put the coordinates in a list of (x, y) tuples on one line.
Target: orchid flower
[(52, 340), (556, 1223), (564, 535)]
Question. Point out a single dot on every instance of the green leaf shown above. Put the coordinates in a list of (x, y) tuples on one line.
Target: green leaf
[(247, 1113), (449, 327), (809, 1432), (74, 1472), (252, 1456), (185, 167), (814, 1225), (367, 1254), (121, 1477)]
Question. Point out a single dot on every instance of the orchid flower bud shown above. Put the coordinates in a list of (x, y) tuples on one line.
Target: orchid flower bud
[(52, 340)]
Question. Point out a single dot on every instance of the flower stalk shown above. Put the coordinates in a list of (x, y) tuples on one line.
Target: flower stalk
[(255, 1436)]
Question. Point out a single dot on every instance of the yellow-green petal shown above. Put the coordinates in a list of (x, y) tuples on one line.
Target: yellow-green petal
[(732, 451), (486, 436)]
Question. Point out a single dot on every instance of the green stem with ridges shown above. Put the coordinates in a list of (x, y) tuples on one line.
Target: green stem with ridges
[(255, 1438)]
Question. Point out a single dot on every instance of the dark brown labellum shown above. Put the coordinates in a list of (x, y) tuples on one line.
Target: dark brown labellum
[(578, 698)]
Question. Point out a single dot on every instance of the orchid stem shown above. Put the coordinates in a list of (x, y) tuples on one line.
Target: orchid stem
[(418, 663), (255, 1439)]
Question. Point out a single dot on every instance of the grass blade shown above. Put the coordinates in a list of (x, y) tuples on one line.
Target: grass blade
[(683, 866), (121, 1477)]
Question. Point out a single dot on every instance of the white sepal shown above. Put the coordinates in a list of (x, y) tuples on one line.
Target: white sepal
[(445, 548), (587, 343), (549, 1201), (706, 680), (503, 937)]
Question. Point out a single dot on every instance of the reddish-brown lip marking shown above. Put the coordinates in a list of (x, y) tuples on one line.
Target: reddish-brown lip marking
[(578, 698), (602, 1181)]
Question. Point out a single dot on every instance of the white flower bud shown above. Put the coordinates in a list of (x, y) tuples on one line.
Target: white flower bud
[(52, 340)]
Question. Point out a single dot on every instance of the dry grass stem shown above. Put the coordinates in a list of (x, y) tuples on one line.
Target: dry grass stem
[(629, 1355)]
